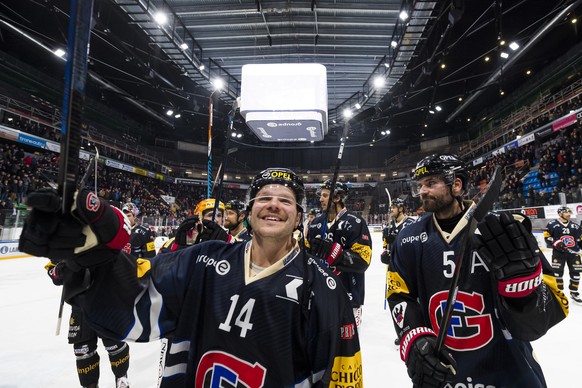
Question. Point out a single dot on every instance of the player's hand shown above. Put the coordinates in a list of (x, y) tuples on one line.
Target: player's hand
[(92, 234), (511, 252), (385, 257), (186, 228), (560, 246), (55, 272), (327, 251), (212, 231), (426, 367)]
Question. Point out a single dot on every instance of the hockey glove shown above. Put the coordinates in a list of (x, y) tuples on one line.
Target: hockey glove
[(327, 251), (385, 257), (92, 235), (511, 253), (212, 231), (55, 272), (426, 367), (560, 246), (184, 233)]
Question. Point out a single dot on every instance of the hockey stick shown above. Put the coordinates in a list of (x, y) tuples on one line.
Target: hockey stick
[(479, 211), (210, 123), (73, 102), (340, 153), (90, 168), (389, 218), (222, 168)]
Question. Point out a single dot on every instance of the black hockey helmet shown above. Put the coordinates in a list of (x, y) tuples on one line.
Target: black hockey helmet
[(340, 188), (398, 202), (563, 209), (236, 205), (314, 212), (448, 166), (281, 176)]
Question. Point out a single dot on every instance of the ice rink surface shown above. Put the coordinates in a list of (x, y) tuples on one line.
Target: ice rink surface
[(31, 356)]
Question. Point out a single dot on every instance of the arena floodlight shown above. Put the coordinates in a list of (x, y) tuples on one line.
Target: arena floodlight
[(160, 18)]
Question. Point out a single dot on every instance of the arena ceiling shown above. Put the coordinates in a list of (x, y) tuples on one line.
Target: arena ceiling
[(437, 60)]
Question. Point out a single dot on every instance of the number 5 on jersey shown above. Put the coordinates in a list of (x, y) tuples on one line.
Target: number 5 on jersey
[(243, 319)]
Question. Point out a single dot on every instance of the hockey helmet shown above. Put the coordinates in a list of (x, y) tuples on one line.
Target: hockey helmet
[(563, 209), (207, 204), (281, 176), (236, 205), (131, 208), (314, 212), (398, 202), (449, 166), (340, 188)]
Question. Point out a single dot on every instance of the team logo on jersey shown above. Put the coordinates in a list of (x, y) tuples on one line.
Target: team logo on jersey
[(218, 369), (398, 313), (291, 289), (423, 237), (127, 248), (222, 267), (410, 239), (568, 241), (470, 329)]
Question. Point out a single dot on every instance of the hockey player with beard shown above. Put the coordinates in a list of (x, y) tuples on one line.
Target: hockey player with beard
[(234, 220), (141, 243), (565, 237), (346, 246), (502, 287), (256, 313)]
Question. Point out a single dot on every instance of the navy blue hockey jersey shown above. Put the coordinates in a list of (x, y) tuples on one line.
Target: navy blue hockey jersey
[(487, 337), (390, 232), (226, 327), (570, 234), (351, 232), (140, 242)]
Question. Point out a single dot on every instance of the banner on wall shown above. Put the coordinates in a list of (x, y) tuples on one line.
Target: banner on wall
[(564, 122)]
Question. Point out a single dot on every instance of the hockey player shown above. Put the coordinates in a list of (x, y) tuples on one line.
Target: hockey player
[(226, 307), (311, 215), (235, 218), (346, 246), (141, 243), (500, 291), (565, 237), (198, 228), (84, 341), (398, 221)]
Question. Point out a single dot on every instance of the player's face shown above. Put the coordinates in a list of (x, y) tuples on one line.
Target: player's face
[(324, 198), (231, 219), (130, 217), (435, 194), (566, 215), (209, 214), (311, 217), (394, 210), (274, 212)]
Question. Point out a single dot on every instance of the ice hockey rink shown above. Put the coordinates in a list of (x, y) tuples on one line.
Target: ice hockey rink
[(31, 356)]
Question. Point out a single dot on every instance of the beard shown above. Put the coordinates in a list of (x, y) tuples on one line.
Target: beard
[(437, 204)]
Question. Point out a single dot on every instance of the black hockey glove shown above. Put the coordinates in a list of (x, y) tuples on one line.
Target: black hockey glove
[(327, 251), (385, 257), (92, 234), (560, 246), (186, 228), (212, 231), (426, 367), (55, 272), (504, 241)]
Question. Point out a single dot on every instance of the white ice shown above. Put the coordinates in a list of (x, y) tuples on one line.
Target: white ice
[(31, 356)]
